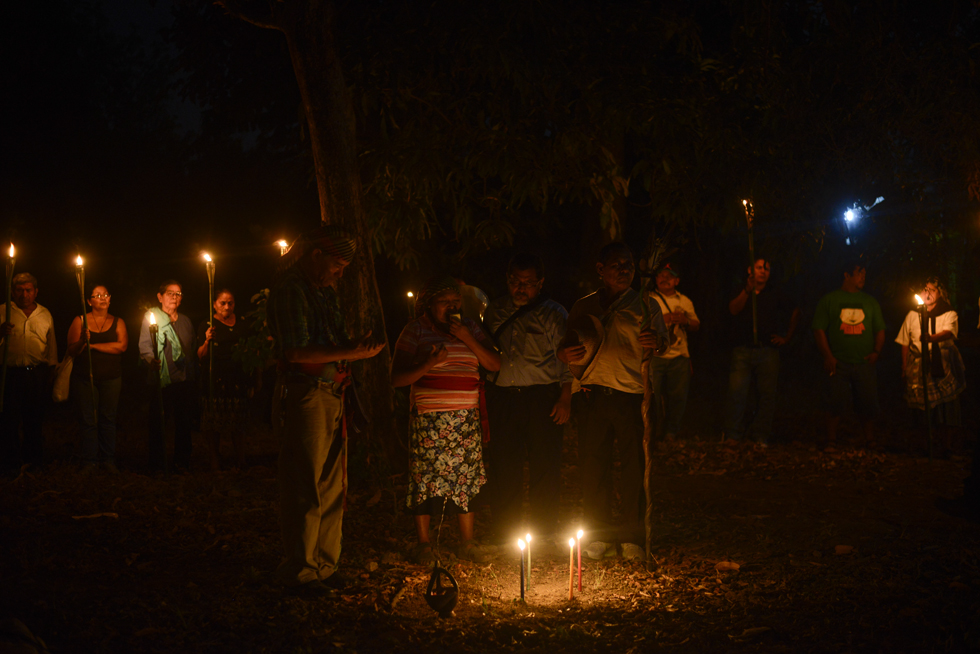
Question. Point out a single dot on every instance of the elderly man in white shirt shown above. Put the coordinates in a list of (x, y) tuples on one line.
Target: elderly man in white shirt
[(31, 351)]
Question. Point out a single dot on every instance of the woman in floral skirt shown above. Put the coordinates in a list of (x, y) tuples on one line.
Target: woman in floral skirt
[(439, 355)]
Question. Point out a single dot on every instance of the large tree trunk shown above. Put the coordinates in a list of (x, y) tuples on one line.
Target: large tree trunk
[(308, 27)]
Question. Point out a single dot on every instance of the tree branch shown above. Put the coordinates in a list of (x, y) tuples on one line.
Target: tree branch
[(243, 10)]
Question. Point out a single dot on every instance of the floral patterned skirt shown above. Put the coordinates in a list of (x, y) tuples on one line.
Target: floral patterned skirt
[(447, 457)]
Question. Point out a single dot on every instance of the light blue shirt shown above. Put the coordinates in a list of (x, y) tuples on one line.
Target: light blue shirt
[(529, 345)]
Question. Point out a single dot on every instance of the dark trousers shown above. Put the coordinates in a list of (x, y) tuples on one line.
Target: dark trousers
[(521, 429), (609, 415), (25, 399), (178, 401), (97, 416)]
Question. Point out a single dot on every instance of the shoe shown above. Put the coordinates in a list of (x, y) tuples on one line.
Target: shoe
[(111, 468), (598, 550), (422, 555), (311, 589), (633, 552), (470, 551)]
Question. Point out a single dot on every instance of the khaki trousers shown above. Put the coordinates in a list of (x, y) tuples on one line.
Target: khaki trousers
[(306, 415)]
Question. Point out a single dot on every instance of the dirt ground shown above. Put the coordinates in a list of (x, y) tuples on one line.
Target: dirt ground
[(784, 549)]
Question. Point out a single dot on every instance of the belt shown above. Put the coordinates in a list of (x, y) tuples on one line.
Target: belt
[(300, 378), (524, 389), (605, 390)]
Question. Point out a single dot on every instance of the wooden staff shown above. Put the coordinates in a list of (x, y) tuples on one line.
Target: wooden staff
[(6, 339), (80, 277), (750, 220)]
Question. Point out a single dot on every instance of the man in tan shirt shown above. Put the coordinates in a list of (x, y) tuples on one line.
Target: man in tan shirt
[(31, 352)]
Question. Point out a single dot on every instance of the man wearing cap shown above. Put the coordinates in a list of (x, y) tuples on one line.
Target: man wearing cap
[(757, 353), (31, 351), (670, 374), (627, 328), (529, 401), (313, 349)]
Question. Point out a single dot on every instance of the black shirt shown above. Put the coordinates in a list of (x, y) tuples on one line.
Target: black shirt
[(773, 310)]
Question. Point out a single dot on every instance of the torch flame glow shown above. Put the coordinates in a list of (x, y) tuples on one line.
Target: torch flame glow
[(745, 203), (919, 300), (11, 250), (151, 317), (520, 544), (282, 243), (571, 542), (410, 294), (78, 260), (207, 257), (580, 534), (528, 536)]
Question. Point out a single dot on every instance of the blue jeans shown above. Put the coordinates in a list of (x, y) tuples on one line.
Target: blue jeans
[(764, 361), (101, 438), (670, 380)]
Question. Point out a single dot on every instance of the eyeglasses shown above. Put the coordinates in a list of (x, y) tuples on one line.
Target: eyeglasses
[(101, 296), (515, 283), (174, 294)]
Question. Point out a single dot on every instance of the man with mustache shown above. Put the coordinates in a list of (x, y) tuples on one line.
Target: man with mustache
[(612, 382)]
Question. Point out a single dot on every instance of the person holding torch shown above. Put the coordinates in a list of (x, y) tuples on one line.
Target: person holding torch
[(32, 350), (172, 366), (946, 375)]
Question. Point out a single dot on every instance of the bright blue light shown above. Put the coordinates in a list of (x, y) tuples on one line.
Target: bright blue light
[(849, 215)]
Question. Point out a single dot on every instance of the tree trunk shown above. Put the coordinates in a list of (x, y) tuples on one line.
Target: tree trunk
[(308, 27)]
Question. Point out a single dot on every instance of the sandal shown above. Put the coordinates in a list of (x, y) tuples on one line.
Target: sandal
[(470, 551), (422, 555)]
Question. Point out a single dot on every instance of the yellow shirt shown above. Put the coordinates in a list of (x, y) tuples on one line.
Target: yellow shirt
[(32, 342)]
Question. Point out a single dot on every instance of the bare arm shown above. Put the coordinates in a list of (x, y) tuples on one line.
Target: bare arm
[(76, 344), (879, 343), (361, 348), (405, 371), (829, 361)]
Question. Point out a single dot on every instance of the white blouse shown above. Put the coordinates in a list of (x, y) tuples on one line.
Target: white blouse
[(911, 328)]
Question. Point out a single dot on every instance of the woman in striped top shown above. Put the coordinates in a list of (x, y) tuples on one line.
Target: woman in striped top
[(439, 355)]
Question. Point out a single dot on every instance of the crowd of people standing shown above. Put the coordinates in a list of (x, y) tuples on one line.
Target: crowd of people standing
[(488, 395)]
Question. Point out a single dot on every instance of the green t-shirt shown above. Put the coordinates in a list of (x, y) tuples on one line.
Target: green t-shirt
[(851, 321)]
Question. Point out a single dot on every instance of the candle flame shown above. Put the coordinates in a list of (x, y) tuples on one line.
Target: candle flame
[(11, 250), (151, 317), (571, 542), (207, 257), (410, 294), (919, 300), (528, 536), (78, 260), (520, 544), (580, 534), (282, 243)]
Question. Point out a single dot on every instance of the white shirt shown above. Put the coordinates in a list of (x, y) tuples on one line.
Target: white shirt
[(911, 328), (677, 302), (32, 342)]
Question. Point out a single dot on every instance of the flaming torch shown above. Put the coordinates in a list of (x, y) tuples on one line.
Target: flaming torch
[(6, 341), (80, 278), (924, 361), (283, 246), (209, 266), (750, 220)]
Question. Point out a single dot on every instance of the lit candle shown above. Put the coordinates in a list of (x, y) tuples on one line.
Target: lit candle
[(209, 266), (520, 544), (6, 341), (283, 246), (578, 543), (80, 276), (528, 536), (571, 567)]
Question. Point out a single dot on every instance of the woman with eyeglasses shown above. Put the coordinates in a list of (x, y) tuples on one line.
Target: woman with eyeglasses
[(228, 414), (172, 376), (108, 339)]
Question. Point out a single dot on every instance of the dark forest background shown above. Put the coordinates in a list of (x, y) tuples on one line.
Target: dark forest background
[(142, 133)]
